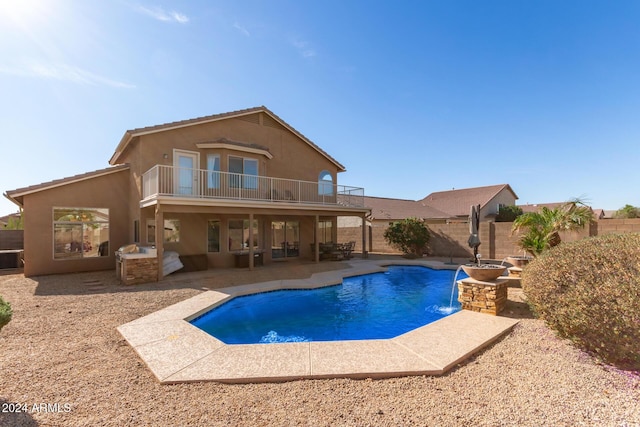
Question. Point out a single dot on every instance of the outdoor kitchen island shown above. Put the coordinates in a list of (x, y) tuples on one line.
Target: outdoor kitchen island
[(135, 265)]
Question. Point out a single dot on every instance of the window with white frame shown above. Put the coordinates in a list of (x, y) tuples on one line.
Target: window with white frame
[(213, 170), (325, 184), (326, 231), (213, 235), (171, 230), (80, 232), (239, 234), (136, 230), (243, 166)]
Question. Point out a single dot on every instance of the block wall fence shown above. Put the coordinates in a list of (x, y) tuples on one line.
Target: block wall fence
[(450, 240), (11, 239)]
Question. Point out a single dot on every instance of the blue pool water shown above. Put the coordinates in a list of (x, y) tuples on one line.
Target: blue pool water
[(372, 306)]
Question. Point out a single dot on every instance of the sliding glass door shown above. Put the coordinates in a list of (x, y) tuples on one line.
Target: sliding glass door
[(285, 239)]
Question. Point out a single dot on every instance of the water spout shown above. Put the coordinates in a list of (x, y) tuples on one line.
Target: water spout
[(453, 286)]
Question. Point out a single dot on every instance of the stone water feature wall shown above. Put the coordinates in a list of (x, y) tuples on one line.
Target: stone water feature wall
[(483, 297)]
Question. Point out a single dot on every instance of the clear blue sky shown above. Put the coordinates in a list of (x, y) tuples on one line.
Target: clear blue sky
[(411, 96)]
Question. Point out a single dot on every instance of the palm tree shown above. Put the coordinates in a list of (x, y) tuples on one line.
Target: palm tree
[(543, 228)]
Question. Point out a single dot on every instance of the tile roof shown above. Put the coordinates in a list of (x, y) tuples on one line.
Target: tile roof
[(457, 202), (535, 207), (5, 219), (130, 134), (16, 194), (383, 208), (538, 206)]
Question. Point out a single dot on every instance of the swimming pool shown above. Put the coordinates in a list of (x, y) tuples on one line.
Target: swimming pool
[(371, 306)]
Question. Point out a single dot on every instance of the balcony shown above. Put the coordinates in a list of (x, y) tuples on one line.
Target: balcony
[(170, 181)]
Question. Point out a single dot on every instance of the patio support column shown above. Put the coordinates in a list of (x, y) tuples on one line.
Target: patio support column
[(159, 217), (251, 241), (364, 236), (316, 243)]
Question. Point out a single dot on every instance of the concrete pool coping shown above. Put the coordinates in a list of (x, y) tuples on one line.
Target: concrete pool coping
[(176, 351)]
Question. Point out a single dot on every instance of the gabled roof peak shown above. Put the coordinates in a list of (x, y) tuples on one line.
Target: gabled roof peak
[(132, 133), (457, 202)]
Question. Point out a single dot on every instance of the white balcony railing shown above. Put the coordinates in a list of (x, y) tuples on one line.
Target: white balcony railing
[(163, 180)]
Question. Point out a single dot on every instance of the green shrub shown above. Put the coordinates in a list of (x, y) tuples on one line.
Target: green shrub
[(5, 312), (508, 213), (589, 292), (627, 211), (409, 235)]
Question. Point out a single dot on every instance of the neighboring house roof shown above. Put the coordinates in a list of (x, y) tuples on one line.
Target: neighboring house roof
[(457, 202), (538, 206), (598, 213), (4, 220), (131, 134), (383, 208), (16, 195)]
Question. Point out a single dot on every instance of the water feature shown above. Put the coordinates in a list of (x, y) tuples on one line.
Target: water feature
[(455, 278), (453, 285), (517, 260), (372, 306)]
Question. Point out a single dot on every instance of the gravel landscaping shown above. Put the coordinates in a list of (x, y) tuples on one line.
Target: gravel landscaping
[(63, 363)]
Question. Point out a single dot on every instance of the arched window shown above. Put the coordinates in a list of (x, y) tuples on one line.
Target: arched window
[(325, 184)]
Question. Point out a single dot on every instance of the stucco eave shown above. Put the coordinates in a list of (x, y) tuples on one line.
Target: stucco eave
[(190, 202)]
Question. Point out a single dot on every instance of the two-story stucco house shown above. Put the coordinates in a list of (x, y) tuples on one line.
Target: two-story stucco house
[(214, 187)]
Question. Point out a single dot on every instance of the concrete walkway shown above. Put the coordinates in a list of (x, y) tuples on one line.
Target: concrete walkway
[(176, 351)]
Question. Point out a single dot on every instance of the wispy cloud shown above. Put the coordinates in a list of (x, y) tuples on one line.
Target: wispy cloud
[(304, 48), (241, 29), (62, 72), (161, 15)]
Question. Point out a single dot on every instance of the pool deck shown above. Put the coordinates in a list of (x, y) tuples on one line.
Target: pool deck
[(176, 352)]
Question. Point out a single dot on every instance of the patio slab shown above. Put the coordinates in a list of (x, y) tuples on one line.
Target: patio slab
[(177, 351)]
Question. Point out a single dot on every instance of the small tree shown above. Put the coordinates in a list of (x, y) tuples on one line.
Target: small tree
[(5, 312), (16, 222), (409, 235), (627, 211), (508, 213), (541, 230)]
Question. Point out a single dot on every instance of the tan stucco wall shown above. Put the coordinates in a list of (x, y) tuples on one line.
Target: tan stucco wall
[(121, 192), (504, 197), (292, 157), (108, 191)]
